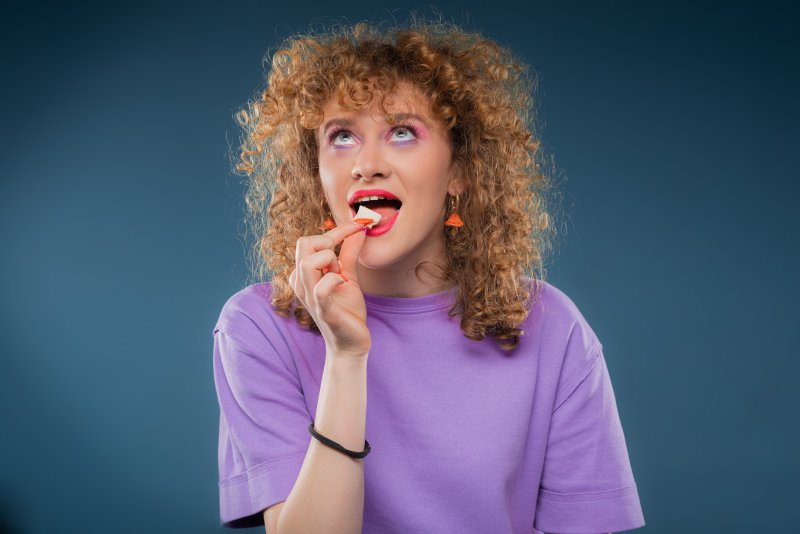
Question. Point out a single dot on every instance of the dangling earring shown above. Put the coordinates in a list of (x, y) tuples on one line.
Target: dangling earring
[(454, 219), (328, 224)]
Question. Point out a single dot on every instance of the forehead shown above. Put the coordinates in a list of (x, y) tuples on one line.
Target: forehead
[(406, 98)]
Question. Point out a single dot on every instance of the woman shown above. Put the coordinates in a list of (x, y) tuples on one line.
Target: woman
[(490, 405)]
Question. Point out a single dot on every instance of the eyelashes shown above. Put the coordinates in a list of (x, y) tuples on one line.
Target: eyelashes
[(334, 133)]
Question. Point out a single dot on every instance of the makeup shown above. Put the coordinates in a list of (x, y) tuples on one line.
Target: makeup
[(384, 227)]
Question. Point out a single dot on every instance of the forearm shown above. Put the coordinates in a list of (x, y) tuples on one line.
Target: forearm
[(328, 495)]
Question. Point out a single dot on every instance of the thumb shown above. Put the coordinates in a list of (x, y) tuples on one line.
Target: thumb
[(349, 252)]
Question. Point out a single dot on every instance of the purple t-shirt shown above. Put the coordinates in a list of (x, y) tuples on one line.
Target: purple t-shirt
[(465, 437)]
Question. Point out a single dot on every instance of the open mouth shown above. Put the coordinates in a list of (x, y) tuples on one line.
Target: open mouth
[(385, 206)]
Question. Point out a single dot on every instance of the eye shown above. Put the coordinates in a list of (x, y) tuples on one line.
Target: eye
[(405, 129), (337, 133)]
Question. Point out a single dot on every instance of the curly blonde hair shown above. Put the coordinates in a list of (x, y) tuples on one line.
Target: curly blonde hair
[(478, 91)]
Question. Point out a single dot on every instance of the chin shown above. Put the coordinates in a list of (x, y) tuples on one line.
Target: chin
[(378, 257)]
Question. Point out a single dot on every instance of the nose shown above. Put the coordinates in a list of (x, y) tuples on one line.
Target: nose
[(370, 162)]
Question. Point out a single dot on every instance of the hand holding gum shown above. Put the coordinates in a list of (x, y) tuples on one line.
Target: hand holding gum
[(341, 271), (367, 217), (370, 217)]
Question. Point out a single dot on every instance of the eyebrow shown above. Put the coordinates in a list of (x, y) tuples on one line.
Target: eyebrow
[(349, 123)]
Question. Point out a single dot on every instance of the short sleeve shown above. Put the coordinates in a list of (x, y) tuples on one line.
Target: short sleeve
[(587, 483), (263, 426)]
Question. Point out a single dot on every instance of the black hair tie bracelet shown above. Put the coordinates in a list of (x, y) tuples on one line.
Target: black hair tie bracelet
[(332, 444)]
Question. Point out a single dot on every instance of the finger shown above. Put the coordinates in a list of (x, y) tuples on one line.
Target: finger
[(348, 254), (331, 263), (340, 232), (297, 286), (323, 291), (334, 266), (337, 269), (312, 265), (313, 243)]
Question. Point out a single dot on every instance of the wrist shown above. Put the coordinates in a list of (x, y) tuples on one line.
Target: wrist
[(341, 356)]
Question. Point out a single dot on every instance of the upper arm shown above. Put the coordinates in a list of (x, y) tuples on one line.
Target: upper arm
[(271, 515), (587, 482), (263, 429)]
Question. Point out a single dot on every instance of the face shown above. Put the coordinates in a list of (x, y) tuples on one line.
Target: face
[(359, 150)]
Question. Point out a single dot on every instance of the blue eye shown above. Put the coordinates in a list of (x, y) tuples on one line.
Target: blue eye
[(338, 131), (408, 128), (334, 134)]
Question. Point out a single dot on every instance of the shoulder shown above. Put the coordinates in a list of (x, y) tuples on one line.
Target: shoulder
[(250, 297), (562, 332), (248, 313), (553, 305)]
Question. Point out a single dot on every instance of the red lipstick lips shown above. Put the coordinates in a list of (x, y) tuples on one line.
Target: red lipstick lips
[(384, 226), (370, 192)]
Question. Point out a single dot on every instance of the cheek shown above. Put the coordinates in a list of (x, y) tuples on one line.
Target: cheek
[(332, 170), (427, 168), (328, 178)]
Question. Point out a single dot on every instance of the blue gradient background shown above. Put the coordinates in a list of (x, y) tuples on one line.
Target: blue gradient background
[(672, 126)]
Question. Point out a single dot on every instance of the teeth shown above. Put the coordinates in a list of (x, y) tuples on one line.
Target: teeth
[(375, 197)]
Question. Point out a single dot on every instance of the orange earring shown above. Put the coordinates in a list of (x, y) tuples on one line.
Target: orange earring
[(454, 219), (328, 224)]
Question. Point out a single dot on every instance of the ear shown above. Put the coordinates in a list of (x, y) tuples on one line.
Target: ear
[(455, 184)]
